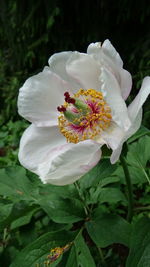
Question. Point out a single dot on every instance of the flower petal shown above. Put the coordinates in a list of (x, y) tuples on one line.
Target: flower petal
[(73, 161), (57, 63), (39, 97), (84, 69), (113, 136), (135, 126), (108, 57), (44, 150), (112, 94), (139, 100), (37, 144)]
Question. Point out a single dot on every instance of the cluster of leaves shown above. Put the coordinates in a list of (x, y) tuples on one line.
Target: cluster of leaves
[(39, 221)]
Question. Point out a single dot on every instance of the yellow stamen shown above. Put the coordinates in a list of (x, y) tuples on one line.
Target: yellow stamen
[(90, 124)]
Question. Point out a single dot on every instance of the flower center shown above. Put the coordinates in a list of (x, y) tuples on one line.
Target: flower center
[(83, 116)]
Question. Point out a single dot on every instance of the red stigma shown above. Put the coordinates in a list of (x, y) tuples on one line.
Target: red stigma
[(66, 94), (69, 99), (61, 109)]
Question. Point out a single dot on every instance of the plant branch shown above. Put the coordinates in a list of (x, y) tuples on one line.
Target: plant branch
[(129, 188)]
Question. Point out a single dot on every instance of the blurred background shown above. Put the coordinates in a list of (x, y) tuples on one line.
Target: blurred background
[(32, 30)]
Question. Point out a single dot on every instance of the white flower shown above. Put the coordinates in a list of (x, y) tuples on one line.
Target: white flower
[(76, 105)]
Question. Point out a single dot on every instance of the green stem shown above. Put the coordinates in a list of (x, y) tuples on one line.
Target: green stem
[(101, 256), (82, 198), (129, 188)]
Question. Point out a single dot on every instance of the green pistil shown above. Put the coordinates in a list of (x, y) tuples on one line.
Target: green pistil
[(72, 117), (81, 106)]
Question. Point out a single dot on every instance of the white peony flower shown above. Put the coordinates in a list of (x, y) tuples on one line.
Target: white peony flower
[(76, 105)]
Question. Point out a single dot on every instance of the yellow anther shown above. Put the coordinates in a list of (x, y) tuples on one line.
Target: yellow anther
[(90, 124)]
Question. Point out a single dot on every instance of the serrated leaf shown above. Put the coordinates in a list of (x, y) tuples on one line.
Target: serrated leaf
[(108, 229), (139, 254), (80, 254), (36, 253)]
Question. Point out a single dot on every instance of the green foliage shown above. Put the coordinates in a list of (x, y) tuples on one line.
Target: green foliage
[(79, 224), (140, 244), (80, 254), (35, 254), (107, 229)]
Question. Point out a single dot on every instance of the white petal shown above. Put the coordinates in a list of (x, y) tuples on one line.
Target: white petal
[(139, 100), (112, 94), (94, 48), (39, 97), (44, 150), (72, 163), (108, 57), (122, 137), (57, 63), (112, 53), (113, 136), (125, 83), (84, 69), (38, 144)]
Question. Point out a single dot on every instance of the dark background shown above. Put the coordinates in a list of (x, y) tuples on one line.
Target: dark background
[(32, 30)]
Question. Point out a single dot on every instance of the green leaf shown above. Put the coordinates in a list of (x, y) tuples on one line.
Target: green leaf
[(137, 175), (111, 195), (108, 229), (66, 191), (36, 253), (139, 155), (139, 254), (62, 210), (107, 194), (80, 254), (102, 170), (140, 133), (20, 215), (15, 183)]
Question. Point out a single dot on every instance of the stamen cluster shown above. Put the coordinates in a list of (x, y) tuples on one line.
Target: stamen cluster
[(84, 116)]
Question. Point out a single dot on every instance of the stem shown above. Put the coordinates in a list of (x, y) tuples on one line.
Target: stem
[(101, 255), (81, 198), (129, 188)]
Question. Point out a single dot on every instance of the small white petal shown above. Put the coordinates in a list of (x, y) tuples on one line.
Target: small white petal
[(84, 69), (113, 136), (40, 96), (94, 48), (72, 163), (112, 94), (139, 100), (125, 83), (57, 63)]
